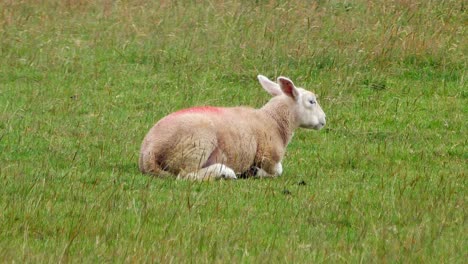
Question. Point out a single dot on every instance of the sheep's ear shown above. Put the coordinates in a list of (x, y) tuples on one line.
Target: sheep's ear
[(288, 88), (269, 86)]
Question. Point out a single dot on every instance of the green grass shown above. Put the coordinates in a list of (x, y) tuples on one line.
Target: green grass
[(81, 82)]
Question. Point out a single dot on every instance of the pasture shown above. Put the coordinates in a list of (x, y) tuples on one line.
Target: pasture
[(81, 83)]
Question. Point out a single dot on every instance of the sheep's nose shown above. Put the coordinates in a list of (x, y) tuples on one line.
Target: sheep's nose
[(322, 122)]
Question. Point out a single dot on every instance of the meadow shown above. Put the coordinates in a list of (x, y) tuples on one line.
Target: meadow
[(81, 83)]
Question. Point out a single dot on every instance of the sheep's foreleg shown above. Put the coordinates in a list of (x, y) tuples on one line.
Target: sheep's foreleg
[(215, 171), (277, 171)]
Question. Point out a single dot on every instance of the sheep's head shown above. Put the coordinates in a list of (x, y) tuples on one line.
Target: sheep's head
[(306, 107)]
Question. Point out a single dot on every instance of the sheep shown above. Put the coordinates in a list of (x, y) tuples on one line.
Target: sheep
[(207, 142)]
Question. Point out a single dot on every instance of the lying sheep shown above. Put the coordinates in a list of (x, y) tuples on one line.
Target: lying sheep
[(216, 142)]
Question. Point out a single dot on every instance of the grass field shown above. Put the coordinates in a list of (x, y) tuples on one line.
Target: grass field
[(81, 83)]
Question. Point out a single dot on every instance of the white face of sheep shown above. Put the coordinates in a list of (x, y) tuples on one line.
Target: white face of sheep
[(309, 113)]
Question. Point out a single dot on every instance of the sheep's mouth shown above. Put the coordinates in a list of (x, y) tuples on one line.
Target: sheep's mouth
[(314, 126)]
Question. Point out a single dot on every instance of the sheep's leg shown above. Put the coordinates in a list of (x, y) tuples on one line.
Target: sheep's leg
[(148, 165), (277, 171), (215, 171)]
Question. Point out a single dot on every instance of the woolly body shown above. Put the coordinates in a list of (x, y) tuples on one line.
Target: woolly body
[(214, 142)]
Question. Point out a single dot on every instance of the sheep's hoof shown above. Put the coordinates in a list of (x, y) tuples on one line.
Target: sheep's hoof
[(251, 172), (228, 177), (228, 174)]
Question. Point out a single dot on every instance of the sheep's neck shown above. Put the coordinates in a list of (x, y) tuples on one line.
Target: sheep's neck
[(283, 118)]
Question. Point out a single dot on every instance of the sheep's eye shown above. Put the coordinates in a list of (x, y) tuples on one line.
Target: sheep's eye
[(312, 101)]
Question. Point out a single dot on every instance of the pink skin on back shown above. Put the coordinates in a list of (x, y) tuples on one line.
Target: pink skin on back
[(199, 109), (193, 110)]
